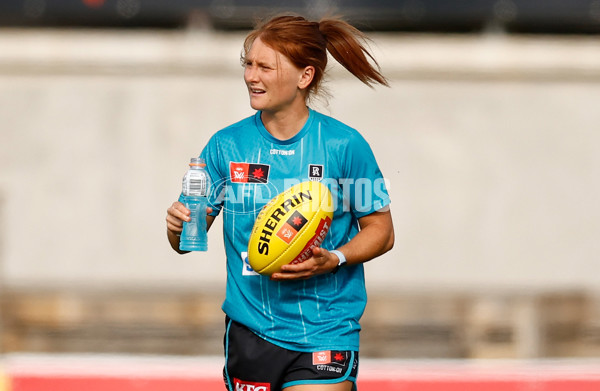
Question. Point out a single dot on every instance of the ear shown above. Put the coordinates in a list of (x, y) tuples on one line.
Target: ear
[(306, 77)]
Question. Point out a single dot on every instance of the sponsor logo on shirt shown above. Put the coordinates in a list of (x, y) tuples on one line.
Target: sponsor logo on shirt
[(241, 385), (246, 268), (283, 152), (315, 172), (249, 172)]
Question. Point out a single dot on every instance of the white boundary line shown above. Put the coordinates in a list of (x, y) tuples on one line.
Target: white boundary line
[(211, 367)]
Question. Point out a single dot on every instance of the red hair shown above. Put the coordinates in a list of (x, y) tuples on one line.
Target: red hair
[(306, 43)]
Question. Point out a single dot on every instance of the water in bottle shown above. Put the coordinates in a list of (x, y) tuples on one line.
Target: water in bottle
[(196, 184)]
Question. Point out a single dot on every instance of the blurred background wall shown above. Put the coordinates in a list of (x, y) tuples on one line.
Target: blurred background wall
[(488, 136)]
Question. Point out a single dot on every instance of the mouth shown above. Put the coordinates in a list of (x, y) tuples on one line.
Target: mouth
[(256, 91)]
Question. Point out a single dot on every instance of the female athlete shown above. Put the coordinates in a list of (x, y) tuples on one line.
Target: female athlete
[(298, 329)]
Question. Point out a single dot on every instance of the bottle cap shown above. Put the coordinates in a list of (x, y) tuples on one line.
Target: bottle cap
[(197, 161)]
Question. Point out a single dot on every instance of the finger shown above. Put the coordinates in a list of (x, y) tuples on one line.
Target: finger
[(287, 276), (174, 225), (293, 268), (178, 206), (316, 259), (320, 256), (318, 252), (297, 267), (174, 221), (179, 212)]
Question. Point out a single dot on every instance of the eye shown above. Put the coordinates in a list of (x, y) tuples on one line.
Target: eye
[(245, 62)]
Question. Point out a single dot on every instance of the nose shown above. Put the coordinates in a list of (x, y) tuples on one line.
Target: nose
[(250, 74)]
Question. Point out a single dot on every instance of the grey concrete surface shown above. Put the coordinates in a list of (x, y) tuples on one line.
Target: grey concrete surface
[(490, 145)]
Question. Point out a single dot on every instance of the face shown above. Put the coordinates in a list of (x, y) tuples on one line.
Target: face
[(274, 83)]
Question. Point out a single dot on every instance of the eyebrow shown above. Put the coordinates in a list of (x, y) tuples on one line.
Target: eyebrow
[(260, 63)]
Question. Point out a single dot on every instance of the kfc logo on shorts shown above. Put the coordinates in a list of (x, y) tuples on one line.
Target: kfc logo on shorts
[(250, 386)]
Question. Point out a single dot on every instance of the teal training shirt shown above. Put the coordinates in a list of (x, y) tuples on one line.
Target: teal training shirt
[(248, 166)]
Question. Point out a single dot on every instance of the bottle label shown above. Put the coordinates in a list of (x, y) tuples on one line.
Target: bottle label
[(195, 185)]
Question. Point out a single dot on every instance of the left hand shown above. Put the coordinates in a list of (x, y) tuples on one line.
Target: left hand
[(322, 261)]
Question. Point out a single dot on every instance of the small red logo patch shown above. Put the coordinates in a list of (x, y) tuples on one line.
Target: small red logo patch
[(239, 172), (249, 172), (322, 357)]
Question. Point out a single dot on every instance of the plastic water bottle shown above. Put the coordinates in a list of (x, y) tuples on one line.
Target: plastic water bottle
[(196, 184)]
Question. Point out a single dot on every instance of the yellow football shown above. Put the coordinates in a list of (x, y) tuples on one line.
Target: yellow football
[(289, 226)]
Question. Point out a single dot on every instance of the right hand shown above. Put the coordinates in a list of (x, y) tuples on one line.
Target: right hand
[(176, 215)]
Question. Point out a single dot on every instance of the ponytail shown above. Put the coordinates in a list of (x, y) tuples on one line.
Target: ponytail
[(306, 43), (344, 44)]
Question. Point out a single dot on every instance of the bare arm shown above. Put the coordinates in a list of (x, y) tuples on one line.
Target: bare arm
[(176, 215), (376, 237)]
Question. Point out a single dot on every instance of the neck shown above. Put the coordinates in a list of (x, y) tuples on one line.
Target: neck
[(285, 125)]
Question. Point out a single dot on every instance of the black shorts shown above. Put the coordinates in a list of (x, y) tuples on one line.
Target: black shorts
[(254, 364)]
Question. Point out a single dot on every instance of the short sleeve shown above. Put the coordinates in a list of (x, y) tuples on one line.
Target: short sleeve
[(364, 188)]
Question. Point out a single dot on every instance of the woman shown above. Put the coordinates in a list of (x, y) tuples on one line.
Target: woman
[(297, 330)]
